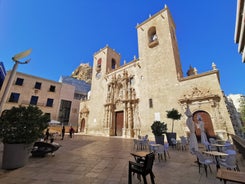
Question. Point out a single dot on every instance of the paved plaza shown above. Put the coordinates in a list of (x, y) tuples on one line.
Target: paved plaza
[(104, 160)]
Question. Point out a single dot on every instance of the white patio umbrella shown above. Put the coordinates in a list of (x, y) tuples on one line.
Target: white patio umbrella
[(54, 122), (201, 126), (190, 124)]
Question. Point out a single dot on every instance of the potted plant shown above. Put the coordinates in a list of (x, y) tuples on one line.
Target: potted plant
[(20, 127), (158, 129), (174, 115)]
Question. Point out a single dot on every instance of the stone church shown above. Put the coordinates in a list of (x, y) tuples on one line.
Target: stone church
[(125, 100)]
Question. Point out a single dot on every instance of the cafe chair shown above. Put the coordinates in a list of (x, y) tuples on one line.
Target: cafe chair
[(174, 143), (142, 169), (227, 146), (136, 144), (204, 161), (160, 153), (229, 162), (212, 140), (163, 151), (166, 146), (150, 147), (145, 141), (209, 147), (184, 142)]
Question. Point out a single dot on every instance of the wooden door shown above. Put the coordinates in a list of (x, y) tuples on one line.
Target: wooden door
[(119, 123), (82, 125), (208, 126)]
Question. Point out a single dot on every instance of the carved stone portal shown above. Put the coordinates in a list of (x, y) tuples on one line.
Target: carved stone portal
[(121, 96)]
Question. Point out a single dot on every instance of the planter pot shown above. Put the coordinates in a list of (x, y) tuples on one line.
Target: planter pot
[(15, 155), (169, 136), (159, 139)]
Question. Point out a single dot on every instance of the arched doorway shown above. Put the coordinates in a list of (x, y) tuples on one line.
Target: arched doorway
[(82, 125), (208, 126)]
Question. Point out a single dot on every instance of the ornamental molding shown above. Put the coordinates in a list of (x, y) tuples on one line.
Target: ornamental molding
[(199, 94), (84, 111)]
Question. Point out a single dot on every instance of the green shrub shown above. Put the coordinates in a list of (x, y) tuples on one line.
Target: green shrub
[(22, 124)]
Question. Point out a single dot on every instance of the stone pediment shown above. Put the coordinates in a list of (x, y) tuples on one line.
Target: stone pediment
[(198, 94)]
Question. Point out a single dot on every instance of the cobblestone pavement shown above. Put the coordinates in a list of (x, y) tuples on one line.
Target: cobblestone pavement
[(104, 160)]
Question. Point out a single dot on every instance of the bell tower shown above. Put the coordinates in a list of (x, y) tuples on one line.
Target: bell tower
[(105, 61), (158, 47)]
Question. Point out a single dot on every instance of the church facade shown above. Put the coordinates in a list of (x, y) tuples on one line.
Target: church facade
[(125, 100)]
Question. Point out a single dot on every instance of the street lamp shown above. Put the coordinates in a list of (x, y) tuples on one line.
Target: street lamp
[(16, 59)]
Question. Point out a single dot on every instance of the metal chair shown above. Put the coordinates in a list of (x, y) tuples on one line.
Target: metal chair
[(166, 146), (184, 142), (205, 161), (145, 141), (163, 151), (212, 140), (230, 162), (160, 153), (136, 144), (209, 147), (174, 143), (142, 169)]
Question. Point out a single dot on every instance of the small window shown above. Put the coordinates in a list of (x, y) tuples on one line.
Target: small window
[(52, 88), (14, 97), (38, 85), (113, 64), (98, 68), (34, 100), (19, 81), (99, 63), (150, 103), (50, 102), (78, 96)]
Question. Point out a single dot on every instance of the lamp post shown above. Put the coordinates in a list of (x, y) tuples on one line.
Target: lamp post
[(16, 59)]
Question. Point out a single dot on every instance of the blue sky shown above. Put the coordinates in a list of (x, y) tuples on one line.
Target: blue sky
[(65, 33)]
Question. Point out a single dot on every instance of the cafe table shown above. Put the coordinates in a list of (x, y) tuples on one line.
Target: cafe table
[(229, 175), (215, 154), (139, 155), (219, 146), (155, 147)]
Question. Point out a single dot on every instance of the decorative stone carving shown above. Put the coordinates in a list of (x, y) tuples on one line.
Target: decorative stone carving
[(84, 112), (199, 94), (121, 96)]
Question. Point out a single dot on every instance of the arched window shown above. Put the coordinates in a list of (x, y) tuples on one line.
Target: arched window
[(152, 34), (113, 64), (98, 68), (152, 37), (99, 63)]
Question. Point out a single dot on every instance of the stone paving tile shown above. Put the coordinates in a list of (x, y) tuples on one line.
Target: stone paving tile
[(104, 160)]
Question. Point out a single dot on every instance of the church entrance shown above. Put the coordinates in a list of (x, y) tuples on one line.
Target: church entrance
[(119, 123), (82, 125), (208, 126)]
